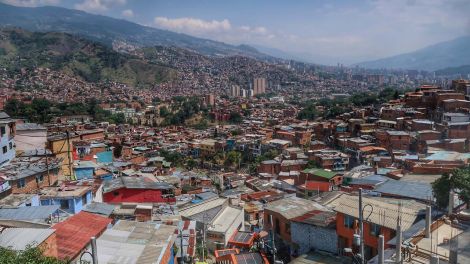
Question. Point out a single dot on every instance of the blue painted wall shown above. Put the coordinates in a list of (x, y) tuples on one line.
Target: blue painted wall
[(84, 173), (75, 204), (105, 157)]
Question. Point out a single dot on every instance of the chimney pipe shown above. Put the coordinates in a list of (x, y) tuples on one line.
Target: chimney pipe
[(428, 222), (398, 244), (381, 249)]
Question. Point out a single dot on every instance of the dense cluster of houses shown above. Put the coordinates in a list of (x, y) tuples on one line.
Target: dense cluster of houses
[(291, 196)]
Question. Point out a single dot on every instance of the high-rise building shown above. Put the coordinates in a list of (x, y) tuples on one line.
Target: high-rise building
[(235, 91), (259, 86), (210, 99)]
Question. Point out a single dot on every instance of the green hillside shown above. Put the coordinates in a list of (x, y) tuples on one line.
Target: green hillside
[(92, 62)]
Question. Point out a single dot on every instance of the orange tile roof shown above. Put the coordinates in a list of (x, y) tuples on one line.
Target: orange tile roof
[(74, 234)]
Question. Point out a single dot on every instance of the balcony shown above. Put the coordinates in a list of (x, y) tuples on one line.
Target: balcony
[(4, 186)]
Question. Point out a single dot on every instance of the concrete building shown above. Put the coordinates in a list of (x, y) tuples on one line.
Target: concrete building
[(30, 136), (259, 86), (7, 143), (235, 91)]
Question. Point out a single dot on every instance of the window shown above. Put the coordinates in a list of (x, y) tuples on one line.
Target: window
[(11, 145), (39, 178), (2, 131), (115, 193), (278, 226), (348, 221), (84, 199), (21, 183), (374, 229), (64, 204), (5, 149), (287, 227)]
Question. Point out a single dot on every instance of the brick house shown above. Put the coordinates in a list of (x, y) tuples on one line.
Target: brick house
[(45, 239), (320, 175), (31, 177), (347, 208), (283, 212)]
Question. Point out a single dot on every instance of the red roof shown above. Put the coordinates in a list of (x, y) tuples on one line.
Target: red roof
[(74, 234), (316, 186)]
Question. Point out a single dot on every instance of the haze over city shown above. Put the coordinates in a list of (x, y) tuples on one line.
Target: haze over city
[(326, 32)]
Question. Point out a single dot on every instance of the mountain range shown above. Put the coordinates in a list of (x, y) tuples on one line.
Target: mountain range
[(126, 36), (442, 55), (113, 32)]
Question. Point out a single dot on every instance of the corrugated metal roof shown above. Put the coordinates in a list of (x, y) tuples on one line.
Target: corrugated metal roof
[(415, 190), (74, 234), (292, 207), (100, 208), (381, 213), (225, 219), (30, 213), (20, 238), (134, 242), (133, 183), (202, 207)]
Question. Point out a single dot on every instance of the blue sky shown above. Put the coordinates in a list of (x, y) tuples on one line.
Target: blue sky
[(345, 31)]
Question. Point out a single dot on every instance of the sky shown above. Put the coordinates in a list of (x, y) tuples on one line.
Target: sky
[(327, 31)]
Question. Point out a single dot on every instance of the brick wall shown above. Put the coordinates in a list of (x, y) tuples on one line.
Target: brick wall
[(31, 185), (49, 246)]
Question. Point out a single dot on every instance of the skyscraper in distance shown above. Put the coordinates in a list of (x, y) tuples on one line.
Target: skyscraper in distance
[(259, 86)]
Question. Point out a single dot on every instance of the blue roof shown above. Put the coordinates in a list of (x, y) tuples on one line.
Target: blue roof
[(414, 190), (370, 180), (99, 208), (29, 212)]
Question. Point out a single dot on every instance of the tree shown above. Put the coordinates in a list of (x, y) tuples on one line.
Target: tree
[(31, 255), (118, 118), (164, 111), (309, 113), (233, 158), (191, 164), (235, 117), (312, 165), (458, 181), (117, 151)]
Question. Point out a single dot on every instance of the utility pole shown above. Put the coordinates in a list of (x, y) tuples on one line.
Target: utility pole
[(47, 165), (272, 238), (381, 250), (68, 155), (181, 247), (94, 250), (361, 227)]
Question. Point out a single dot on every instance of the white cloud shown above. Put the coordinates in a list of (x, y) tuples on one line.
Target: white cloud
[(128, 13), (30, 3), (98, 6), (221, 30), (193, 25)]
